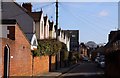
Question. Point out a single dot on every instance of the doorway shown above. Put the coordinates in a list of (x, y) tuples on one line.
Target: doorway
[(6, 61)]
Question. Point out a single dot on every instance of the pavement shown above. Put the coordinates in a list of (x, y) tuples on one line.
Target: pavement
[(59, 72)]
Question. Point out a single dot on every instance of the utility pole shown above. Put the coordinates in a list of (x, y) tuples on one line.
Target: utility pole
[(56, 14), (56, 28)]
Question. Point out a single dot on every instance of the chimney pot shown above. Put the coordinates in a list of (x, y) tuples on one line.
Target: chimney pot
[(27, 6)]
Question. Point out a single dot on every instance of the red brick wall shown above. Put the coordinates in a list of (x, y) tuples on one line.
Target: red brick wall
[(11, 44), (1, 70), (53, 61), (41, 65), (21, 63), (11, 34)]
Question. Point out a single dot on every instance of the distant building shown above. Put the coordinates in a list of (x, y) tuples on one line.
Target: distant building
[(74, 39), (83, 50)]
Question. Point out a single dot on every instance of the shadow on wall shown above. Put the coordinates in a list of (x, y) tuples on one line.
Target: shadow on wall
[(113, 64)]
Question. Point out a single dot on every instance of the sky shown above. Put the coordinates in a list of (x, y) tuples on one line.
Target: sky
[(94, 18)]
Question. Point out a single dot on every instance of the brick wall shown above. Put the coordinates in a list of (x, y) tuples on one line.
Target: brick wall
[(112, 69), (11, 44), (52, 63), (41, 65), (21, 57), (1, 70), (20, 54), (20, 64)]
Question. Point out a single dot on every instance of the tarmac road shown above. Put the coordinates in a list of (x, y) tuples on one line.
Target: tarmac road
[(84, 70)]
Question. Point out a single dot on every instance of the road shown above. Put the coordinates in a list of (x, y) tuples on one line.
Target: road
[(84, 70)]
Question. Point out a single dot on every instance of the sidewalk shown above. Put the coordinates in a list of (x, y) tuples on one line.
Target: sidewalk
[(59, 72)]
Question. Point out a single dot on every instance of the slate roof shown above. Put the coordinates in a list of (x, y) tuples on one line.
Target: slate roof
[(45, 20), (50, 25), (36, 15), (29, 36), (8, 21), (13, 21)]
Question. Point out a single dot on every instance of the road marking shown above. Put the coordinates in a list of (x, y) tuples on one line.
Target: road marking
[(85, 74)]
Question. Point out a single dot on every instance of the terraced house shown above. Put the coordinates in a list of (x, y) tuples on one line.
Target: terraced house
[(21, 31)]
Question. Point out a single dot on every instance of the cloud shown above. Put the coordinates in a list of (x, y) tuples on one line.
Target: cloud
[(103, 13)]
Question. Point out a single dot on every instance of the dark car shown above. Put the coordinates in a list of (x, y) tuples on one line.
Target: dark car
[(101, 62), (86, 59)]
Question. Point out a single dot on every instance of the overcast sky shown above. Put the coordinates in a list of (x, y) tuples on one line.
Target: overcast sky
[(94, 19)]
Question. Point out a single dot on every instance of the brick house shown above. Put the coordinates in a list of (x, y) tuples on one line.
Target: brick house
[(16, 50), (19, 13), (112, 55), (83, 50)]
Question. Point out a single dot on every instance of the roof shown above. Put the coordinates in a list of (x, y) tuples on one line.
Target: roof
[(56, 28), (67, 33), (50, 25), (36, 15), (22, 8), (14, 19), (45, 20), (83, 45), (8, 21), (114, 36), (29, 36)]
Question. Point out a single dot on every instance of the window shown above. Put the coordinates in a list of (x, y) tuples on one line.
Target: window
[(73, 35), (34, 43), (42, 27)]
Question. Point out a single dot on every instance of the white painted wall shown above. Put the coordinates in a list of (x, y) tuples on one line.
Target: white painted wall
[(37, 27), (65, 41), (42, 27), (46, 29), (34, 38), (52, 32)]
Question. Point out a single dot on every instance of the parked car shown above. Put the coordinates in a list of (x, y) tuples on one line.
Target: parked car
[(86, 59), (101, 62), (97, 59)]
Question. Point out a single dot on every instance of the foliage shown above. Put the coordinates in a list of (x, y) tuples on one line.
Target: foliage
[(48, 47), (77, 56), (64, 52)]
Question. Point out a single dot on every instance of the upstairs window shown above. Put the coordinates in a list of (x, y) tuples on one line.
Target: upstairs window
[(42, 27)]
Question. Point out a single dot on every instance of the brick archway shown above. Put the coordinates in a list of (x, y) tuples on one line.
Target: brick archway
[(6, 61)]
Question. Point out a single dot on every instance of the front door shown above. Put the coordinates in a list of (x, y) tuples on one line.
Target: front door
[(6, 61)]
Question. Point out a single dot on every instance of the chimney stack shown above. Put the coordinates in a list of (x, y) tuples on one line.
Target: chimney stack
[(27, 6)]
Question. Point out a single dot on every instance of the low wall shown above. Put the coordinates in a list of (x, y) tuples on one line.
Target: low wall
[(112, 69), (40, 65), (52, 64)]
